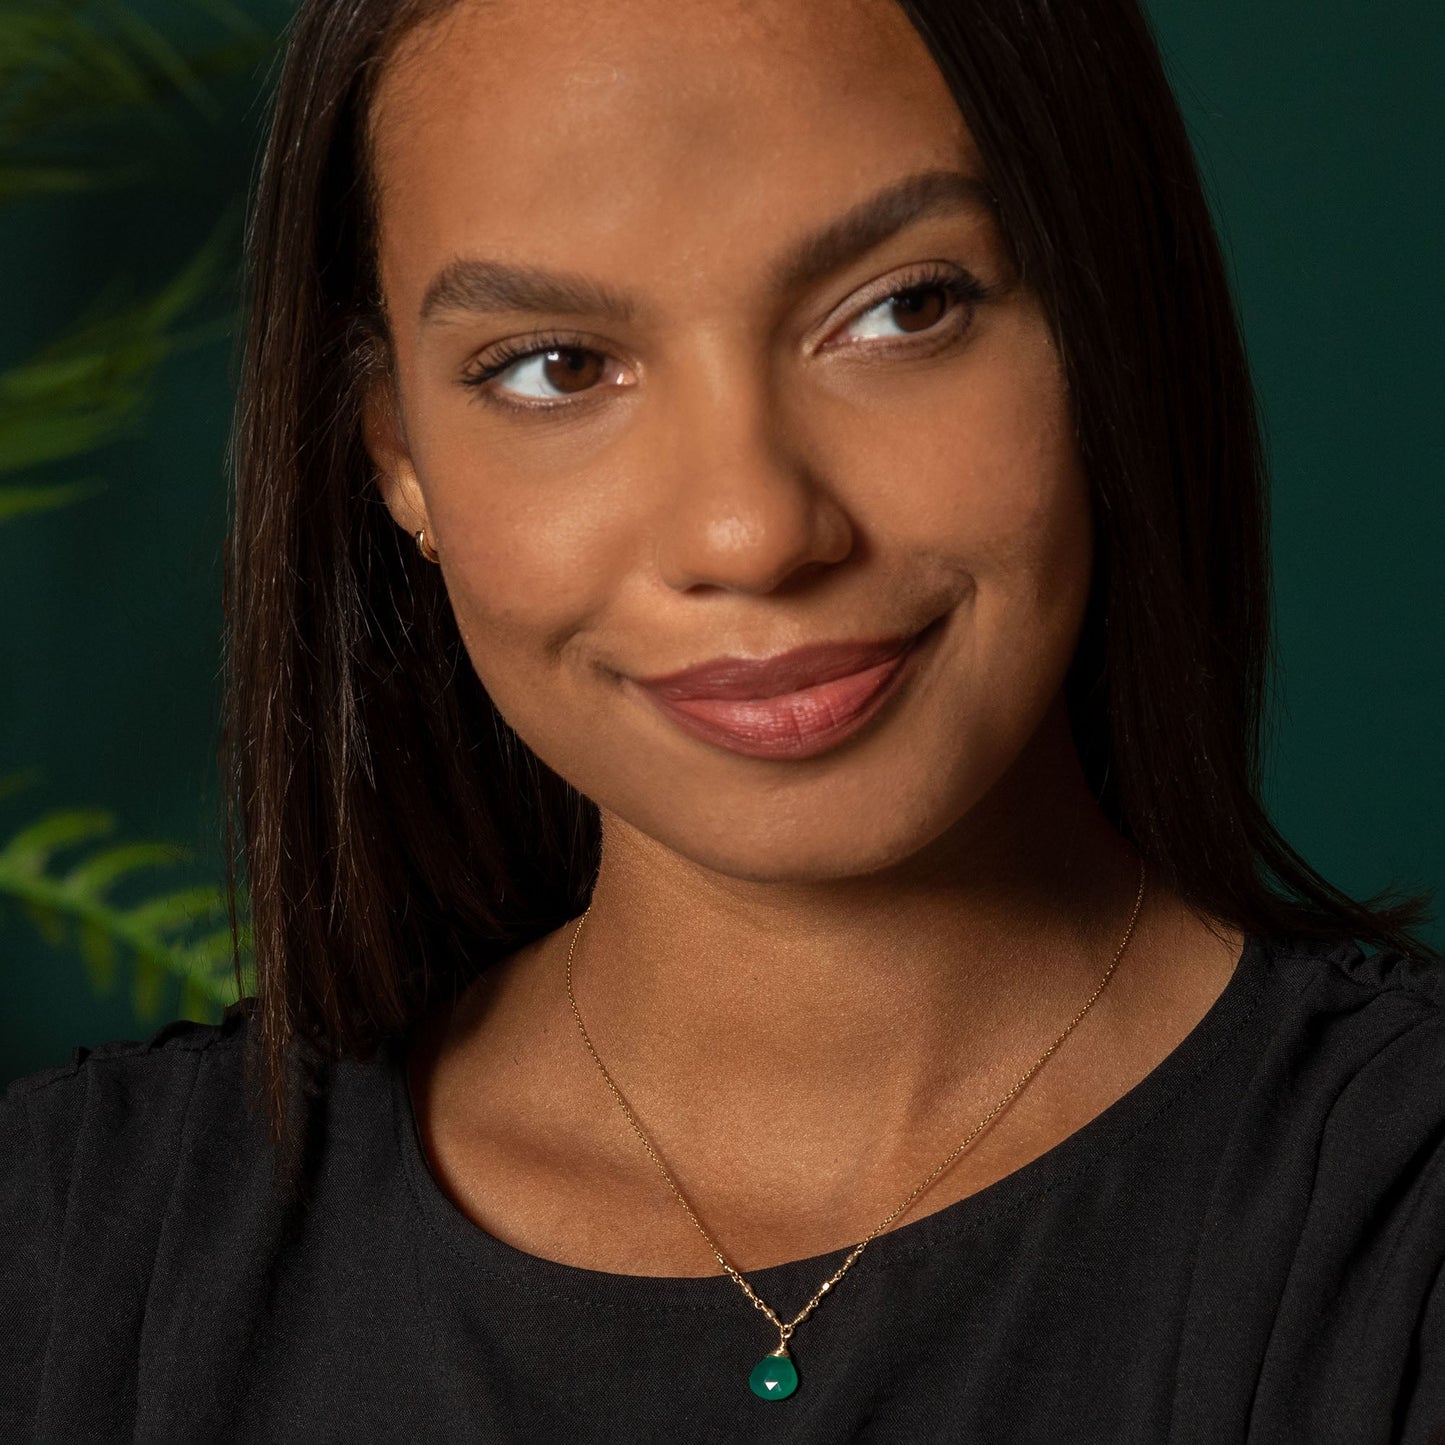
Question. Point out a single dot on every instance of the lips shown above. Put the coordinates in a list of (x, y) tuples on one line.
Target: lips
[(793, 706), (803, 667)]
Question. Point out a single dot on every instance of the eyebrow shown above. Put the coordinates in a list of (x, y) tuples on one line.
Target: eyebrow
[(474, 285)]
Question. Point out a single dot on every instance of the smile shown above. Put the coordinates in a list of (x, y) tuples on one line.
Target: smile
[(797, 724)]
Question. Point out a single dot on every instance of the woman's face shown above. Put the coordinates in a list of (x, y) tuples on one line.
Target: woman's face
[(721, 436)]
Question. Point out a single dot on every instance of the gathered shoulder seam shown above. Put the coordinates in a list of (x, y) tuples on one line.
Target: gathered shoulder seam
[(183, 1035)]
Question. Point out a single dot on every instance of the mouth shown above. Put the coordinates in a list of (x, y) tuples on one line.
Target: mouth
[(796, 705)]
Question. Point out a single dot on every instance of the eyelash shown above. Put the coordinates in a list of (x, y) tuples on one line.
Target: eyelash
[(964, 289)]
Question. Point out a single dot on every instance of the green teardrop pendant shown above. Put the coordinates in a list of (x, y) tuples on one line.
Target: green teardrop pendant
[(774, 1377)]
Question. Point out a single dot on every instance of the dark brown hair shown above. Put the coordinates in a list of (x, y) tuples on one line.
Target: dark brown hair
[(396, 836)]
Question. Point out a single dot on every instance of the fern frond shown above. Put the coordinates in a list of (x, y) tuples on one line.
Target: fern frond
[(67, 65), (27, 853), (21, 501), (90, 385), (173, 935)]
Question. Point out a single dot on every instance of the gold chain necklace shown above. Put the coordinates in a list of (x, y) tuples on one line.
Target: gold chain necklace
[(775, 1376)]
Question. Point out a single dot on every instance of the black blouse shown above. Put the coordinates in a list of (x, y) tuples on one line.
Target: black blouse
[(1247, 1246)]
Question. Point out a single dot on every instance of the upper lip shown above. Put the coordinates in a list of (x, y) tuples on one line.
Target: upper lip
[(749, 677)]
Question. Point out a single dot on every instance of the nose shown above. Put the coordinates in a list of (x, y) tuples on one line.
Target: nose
[(744, 505)]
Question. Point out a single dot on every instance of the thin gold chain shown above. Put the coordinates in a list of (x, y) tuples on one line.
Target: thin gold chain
[(785, 1330)]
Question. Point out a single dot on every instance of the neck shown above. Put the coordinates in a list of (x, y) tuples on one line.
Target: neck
[(858, 1007)]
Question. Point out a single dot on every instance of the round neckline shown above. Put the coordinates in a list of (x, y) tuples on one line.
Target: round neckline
[(1086, 1148)]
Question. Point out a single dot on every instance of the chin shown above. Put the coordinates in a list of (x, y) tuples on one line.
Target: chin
[(804, 843)]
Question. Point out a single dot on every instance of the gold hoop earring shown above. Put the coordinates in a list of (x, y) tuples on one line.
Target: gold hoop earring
[(422, 546)]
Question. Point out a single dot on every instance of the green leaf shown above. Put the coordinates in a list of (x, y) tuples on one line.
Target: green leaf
[(97, 947), (88, 361), (18, 180), (211, 954), (47, 920), (29, 850), (158, 934), (86, 388), (54, 67), (164, 58), (94, 876), (66, 66), (176, 910), (150, 974), (81, 83), (19, 501), (197, 1004)]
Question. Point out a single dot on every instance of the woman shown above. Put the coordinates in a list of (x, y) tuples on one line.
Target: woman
[(749, 610)]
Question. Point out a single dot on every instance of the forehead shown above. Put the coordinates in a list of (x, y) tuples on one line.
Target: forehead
[(523, 127)]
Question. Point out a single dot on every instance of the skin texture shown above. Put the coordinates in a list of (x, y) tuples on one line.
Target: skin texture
[(864, 950)]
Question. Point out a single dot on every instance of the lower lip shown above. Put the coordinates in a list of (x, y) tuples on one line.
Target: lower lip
[(795, 724)]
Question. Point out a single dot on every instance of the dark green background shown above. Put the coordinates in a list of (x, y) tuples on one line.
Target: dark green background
[(1319, 138)]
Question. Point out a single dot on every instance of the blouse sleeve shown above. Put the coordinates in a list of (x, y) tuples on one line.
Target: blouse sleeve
[(1421, 1415), (1356, 1351), (37, 1144), (1367, 1287), (89, 1154)]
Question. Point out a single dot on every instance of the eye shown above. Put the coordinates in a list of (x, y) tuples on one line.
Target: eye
[(552, 371), (928, 302), (544, 371)]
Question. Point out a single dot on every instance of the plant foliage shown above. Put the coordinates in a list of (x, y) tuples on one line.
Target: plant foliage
[(180, 933), (79, 81), (73, 73), (90, 385)]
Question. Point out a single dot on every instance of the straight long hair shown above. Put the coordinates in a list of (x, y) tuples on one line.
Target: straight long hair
[(394, 834)]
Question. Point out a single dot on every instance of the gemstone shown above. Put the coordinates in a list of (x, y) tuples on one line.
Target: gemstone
[(774, 1377)]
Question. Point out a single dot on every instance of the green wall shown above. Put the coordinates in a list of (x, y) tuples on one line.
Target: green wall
[(1319, 136)]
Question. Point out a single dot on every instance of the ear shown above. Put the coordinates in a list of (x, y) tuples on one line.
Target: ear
[(385, 440)]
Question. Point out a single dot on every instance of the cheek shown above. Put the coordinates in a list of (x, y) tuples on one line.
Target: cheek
[(1030, 525), (519, 594), (528, 558), (999, 500), (996, 482)]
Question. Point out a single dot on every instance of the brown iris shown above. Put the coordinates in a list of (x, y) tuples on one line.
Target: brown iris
[(572, 369), (920, 307)]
